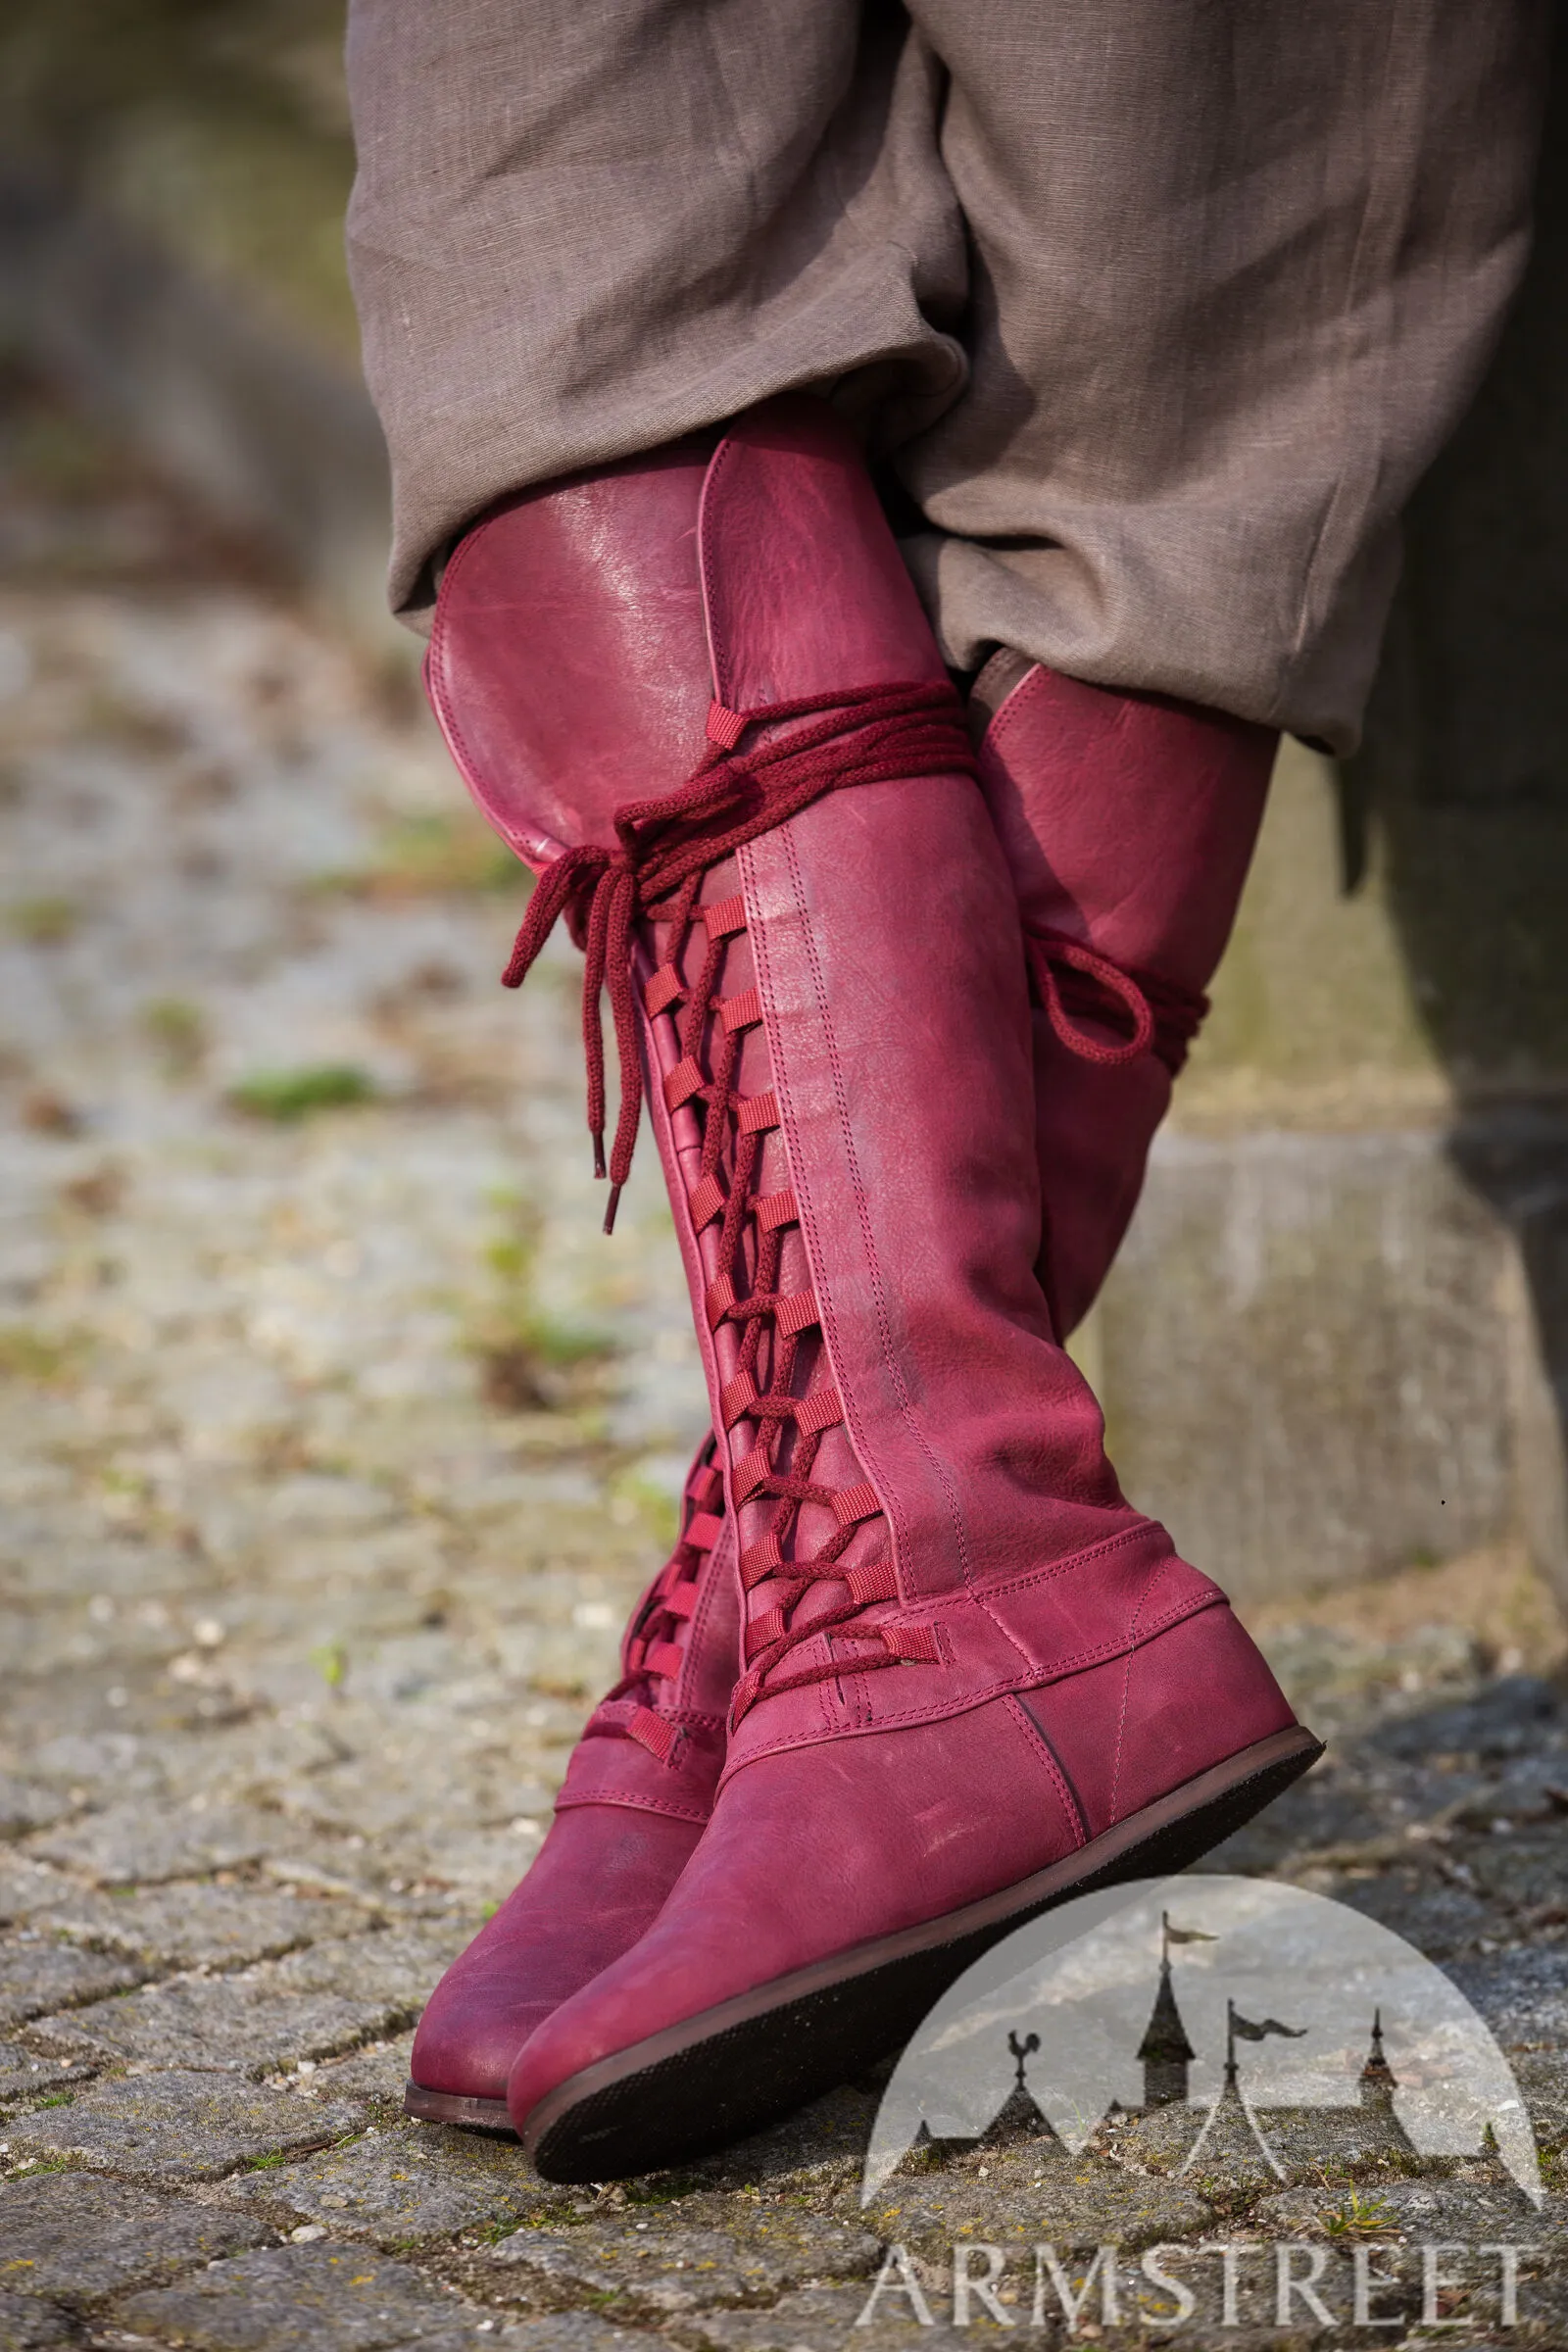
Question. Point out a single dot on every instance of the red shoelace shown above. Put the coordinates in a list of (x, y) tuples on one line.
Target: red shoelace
[(640, 1706), (1076, 980)]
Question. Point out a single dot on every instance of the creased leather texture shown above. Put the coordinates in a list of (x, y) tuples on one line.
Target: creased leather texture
[(1128, 823), (825, 610), (626, 1822), (545, 1941), (836, 1843), (838, 1032), (516, 672)]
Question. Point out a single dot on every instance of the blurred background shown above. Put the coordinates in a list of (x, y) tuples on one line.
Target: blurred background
[(300, 1254)]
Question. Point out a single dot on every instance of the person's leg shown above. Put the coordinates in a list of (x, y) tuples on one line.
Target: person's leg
[(578, 231), (1235, 274), (973, 1675), (1128, 823), (636, 1796), (544, 280)]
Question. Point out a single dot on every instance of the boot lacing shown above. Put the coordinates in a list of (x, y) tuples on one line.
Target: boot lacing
[(667, 846), (642, 1706), (873, 735), (759, 1425), (1074, 979)]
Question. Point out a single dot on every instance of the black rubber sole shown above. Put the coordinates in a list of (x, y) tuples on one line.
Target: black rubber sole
[(731, 2069)]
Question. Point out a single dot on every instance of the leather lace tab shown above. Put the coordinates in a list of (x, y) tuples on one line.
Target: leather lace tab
[(855, 1503), (656, 1733), (682, 1082), (724, 727), (724, 917), (758, 1115), (796, 1312), (662, 991), (705, 1202), (741, 1012)]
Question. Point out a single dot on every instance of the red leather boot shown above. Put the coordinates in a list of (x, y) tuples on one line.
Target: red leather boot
[(637, 1793), (1128, 823), (975, 1680)]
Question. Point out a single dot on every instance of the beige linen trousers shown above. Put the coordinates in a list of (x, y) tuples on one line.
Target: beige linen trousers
[(1154, 310)]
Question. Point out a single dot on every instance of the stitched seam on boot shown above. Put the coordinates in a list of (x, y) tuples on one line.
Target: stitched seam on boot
[(665, 1808), (1001, 1687), (1040, 1739), (451, 725), (722, 459), (1073, 1561), (879, 1289), (1127, 1684), (1027, 690), (757, 930), (1121, 1735)]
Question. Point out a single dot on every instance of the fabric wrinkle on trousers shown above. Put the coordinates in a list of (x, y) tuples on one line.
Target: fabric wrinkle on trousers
[(1158, 308)]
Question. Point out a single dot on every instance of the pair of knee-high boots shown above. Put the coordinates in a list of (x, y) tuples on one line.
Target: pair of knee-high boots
[(905, 1020)]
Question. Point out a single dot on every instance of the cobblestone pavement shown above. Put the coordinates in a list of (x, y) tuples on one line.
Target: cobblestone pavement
[(337, 1444)]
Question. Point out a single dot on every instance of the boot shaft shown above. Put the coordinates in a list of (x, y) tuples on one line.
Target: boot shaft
[(1128, 822), (833, 1012)]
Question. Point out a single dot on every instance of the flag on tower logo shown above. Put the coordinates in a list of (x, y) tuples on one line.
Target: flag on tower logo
[(1245, 2028)]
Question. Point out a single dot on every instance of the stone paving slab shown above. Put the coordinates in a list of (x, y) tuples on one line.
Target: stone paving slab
[(25, 2077), (28, 1887), (378, 2074), (817, 2150), (138, 1844), (79, 2239), (40, 1974), (180, 2127), (28, 2325), (312, 2004), (560, 2332), (1017, 2201), (237, 2024), (86, 1765), (410, 2185), (24, 1805), (1470, 2211), (300, 2297), (197, 1924), (656, 2268), (1521, 1992), (822, 2319)]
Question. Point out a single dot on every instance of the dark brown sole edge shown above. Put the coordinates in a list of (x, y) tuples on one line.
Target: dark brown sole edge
[(733, 2069), (456, 2107)]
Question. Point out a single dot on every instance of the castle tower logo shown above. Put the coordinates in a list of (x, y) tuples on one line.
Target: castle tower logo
[(1230, 2030)]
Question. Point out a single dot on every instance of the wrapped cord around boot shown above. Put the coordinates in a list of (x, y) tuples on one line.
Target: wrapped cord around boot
[(871, 735)]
